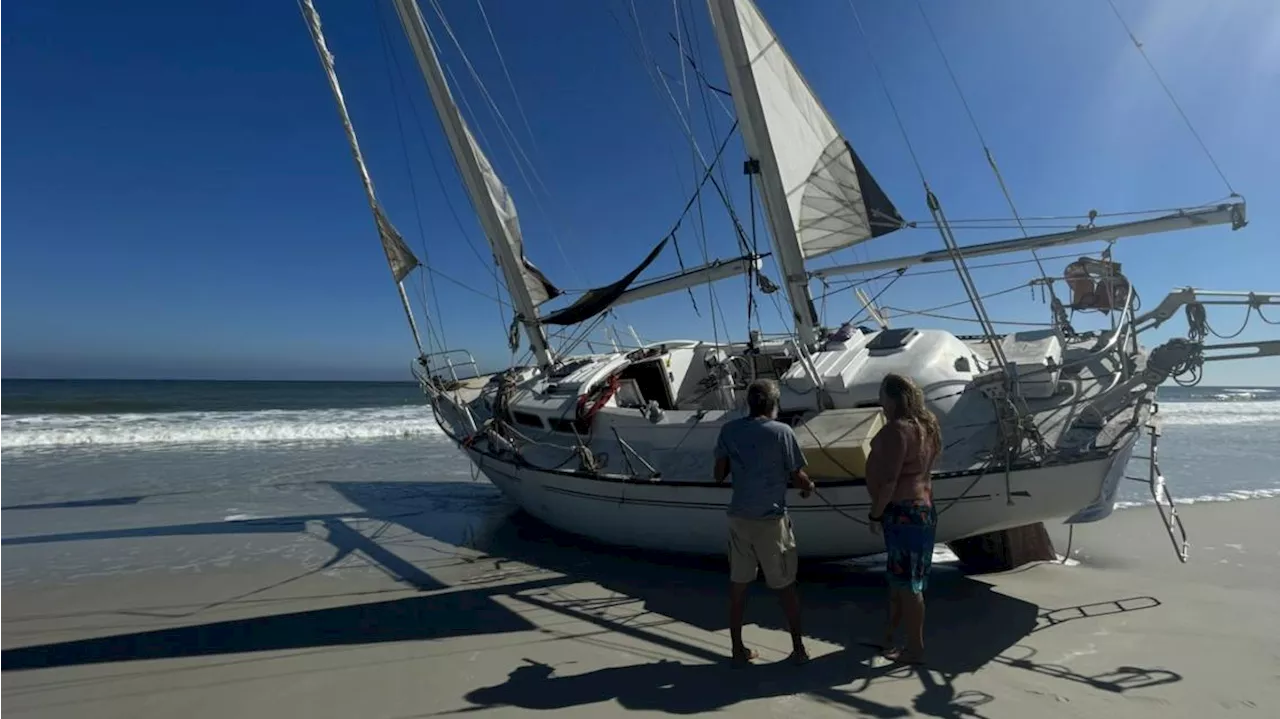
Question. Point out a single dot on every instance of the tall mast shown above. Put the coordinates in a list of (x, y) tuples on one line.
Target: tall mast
[(755, 135), (481, 183)]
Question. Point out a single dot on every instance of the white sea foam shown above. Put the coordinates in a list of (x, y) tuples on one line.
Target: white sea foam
[(1233, 496), (215, 428), (1220, 413), (1246, 394)]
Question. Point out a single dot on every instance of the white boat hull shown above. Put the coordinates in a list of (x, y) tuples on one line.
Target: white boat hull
[(689, 517)]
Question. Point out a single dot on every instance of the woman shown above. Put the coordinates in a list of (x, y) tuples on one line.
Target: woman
[(902, 454)]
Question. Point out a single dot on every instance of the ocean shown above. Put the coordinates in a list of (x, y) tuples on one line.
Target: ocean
[(126, 457)]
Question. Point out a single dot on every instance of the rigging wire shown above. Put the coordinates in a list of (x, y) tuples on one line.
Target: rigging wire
[(501, 302), (838, 286), (991, 160), (1264, 317), (675, 164), (959, 303), (509, 138), (701, 227), (703, 85), (661, 85), (935, 207), (884, 87), (955, 318), (872, 302), (413, 185), (841, 285), (502, 62), (1173, 100), (435, 167), (513, 143)]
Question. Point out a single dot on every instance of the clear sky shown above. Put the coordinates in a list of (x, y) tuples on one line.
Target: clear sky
[(179, 200)]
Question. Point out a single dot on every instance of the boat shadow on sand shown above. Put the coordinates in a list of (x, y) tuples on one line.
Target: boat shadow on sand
[(646, 599)]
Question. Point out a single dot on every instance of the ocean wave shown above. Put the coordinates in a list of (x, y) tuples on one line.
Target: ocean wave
[(50, 431), (1232, 496), (1176, 413), (1218, 394), (1244, 395), (35, 431)]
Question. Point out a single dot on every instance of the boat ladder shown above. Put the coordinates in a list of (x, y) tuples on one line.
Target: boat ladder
[(1159, 490)]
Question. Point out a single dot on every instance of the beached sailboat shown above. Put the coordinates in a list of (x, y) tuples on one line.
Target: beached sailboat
[(615, 445)]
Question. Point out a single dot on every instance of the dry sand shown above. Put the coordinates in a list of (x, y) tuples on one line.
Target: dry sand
[(402, 625)]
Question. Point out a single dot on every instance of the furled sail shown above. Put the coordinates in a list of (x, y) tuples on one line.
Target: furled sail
[(597, 300), (399, 256), (833, 200), (540, 288)]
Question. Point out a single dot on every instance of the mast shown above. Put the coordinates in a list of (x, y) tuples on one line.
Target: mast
[(483, 186), (755, 135)]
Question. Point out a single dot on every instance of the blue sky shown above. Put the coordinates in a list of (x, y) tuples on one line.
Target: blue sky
[(179, 200)]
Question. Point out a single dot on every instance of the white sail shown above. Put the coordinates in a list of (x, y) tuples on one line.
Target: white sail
[(832, 200)]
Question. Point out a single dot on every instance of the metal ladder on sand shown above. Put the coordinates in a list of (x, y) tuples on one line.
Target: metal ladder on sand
[(1159, 490)]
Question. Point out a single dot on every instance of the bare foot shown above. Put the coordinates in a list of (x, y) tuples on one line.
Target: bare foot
[(743, 656)]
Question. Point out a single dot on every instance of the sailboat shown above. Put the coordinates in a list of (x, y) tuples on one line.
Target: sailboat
[(615, 446)]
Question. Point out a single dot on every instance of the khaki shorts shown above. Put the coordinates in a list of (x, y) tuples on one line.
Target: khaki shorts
[(768, 544)]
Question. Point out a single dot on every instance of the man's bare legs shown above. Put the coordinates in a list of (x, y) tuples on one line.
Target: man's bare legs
[(790, 600), (737, 607)]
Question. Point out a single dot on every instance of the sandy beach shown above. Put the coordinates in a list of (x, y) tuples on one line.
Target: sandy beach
[(387, 619)]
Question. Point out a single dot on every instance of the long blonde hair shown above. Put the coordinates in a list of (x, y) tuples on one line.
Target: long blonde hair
[(908, 404)]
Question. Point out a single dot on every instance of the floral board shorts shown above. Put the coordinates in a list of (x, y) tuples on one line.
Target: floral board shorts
[(908, 539)]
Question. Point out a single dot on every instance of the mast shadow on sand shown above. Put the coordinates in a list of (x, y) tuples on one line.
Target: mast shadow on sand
[(970, 624)]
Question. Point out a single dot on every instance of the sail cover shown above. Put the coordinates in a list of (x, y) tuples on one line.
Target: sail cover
[(833, 200), (399, 256), (595, 301), (540, 288)]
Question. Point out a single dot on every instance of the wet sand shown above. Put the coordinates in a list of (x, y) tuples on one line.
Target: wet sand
[(412, 609)]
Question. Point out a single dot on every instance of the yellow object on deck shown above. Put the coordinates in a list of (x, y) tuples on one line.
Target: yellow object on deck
[(837, 442)]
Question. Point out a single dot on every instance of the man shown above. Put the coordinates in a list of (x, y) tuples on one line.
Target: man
[(763, 457)]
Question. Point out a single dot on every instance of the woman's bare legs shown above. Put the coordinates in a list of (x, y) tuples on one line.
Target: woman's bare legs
[(893, 620), (912, 608)]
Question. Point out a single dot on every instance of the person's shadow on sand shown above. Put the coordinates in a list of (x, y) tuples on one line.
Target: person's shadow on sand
[(970, 624), (672, 687)]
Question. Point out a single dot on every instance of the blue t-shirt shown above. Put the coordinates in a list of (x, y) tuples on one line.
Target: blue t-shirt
[(762, 455)]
